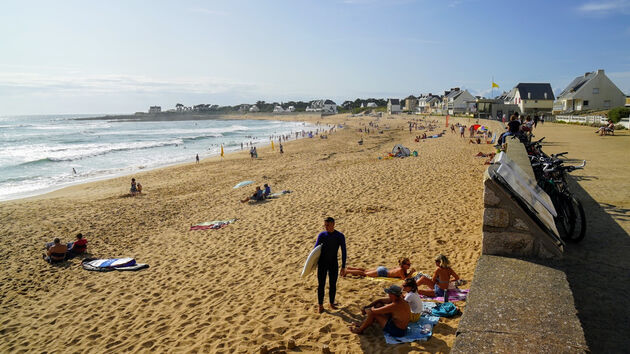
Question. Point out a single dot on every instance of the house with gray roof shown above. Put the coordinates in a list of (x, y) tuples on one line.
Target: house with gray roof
[(457, 101), (531, 97), (393, 106), (591, 91)]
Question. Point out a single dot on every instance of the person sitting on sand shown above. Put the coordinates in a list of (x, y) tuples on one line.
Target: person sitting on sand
[(56, 252), (607, 128), (441, 278), (77, 247), (413, 298), (267, 191), (402, 272), (257, 196), (392, 317), (134, 189), (139, 187)]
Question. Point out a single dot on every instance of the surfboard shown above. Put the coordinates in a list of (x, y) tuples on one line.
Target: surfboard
[(311, 260)]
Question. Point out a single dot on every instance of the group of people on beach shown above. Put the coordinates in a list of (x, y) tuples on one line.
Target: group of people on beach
[(136, 188), (259, 194), (57, 252), (393, 313)]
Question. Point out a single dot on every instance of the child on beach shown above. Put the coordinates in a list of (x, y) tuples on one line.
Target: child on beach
[(134, 189), (402, 272), (413, 298), (441, 278)]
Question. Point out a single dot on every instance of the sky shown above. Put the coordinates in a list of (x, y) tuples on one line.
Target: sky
[(62, 57)]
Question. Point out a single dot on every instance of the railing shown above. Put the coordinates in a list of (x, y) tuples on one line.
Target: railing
[(582, 119)]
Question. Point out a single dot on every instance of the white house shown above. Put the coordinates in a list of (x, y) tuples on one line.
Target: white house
[(592, 91), (155, 109), (393, 106), (457, 101), (531, 97), (371, 105), (426, 102), (291, 109), (254, 109), (324, 106), (278, 109)]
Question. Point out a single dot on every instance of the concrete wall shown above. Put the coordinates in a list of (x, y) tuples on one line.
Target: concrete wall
[(508, 226)]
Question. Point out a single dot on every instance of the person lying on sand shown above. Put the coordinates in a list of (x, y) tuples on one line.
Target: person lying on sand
[(393, 317), (257, 196), (402, 272), (56, 252), (441, 278)]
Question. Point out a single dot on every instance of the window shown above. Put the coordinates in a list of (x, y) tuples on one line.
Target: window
[(585, 103), (595, 90), (607, 103)]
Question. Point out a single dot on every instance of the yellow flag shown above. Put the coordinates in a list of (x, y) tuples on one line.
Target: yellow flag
[(272, 148), (494, 85), (221, 150)]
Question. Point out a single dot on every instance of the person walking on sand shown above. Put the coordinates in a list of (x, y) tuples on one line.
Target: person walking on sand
[(197, 158), (331, 240)]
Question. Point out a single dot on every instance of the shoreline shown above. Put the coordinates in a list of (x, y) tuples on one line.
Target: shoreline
[(192, 116), (52, 189)]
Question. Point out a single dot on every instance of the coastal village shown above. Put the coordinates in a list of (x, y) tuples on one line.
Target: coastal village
[(589, 94)]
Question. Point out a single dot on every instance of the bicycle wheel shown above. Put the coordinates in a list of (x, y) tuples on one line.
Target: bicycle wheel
[(564, 216), (578, 220)]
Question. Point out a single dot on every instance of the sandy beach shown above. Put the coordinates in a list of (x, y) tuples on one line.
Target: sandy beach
[(237, 288)]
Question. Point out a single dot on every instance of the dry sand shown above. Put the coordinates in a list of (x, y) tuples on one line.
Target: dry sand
[(235, 289)]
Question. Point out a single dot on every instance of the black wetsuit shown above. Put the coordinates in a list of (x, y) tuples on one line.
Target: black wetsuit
[(327, 263)]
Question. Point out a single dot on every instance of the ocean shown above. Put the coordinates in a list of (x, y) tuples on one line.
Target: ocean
[(39, 154)]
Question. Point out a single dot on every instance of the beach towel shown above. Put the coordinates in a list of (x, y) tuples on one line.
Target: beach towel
[(212, 225), (278, 194), (453, 295), (109, 264), (416, 331)]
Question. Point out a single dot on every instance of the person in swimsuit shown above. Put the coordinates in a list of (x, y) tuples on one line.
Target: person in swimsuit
[(441, 278), (56, 252), (392, 317), (404, 271)]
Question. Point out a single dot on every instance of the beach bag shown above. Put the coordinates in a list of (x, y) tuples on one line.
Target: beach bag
[(447, 309)]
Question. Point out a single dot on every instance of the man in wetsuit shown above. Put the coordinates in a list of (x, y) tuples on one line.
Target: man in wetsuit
[(331, 240)]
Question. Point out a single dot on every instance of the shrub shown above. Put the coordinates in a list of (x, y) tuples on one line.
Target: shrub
[(617, 113)]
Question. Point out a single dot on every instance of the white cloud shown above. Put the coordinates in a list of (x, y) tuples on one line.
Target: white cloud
[(605, 7), (80, 84)]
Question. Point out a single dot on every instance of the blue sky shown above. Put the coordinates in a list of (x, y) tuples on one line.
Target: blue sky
[(122, 56)]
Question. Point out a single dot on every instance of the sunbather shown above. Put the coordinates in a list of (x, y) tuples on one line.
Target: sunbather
[(56, 252), (257, 196), (402, 272), (441, 278), (392, 317)]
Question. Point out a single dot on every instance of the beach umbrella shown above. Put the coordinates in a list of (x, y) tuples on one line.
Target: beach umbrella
[(242, 184)]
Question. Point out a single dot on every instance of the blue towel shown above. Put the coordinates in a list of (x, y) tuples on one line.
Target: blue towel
[(414, 331)]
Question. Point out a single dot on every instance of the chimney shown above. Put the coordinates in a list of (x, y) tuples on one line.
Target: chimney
[(529, 95), (545, 95), (586, 74), (600, 71)]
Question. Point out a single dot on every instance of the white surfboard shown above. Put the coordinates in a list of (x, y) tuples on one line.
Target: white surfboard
[(311, 260)]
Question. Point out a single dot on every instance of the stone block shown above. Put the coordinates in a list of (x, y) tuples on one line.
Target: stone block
[(489, 198), (507, 243), (519, 224), (496, 217)]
